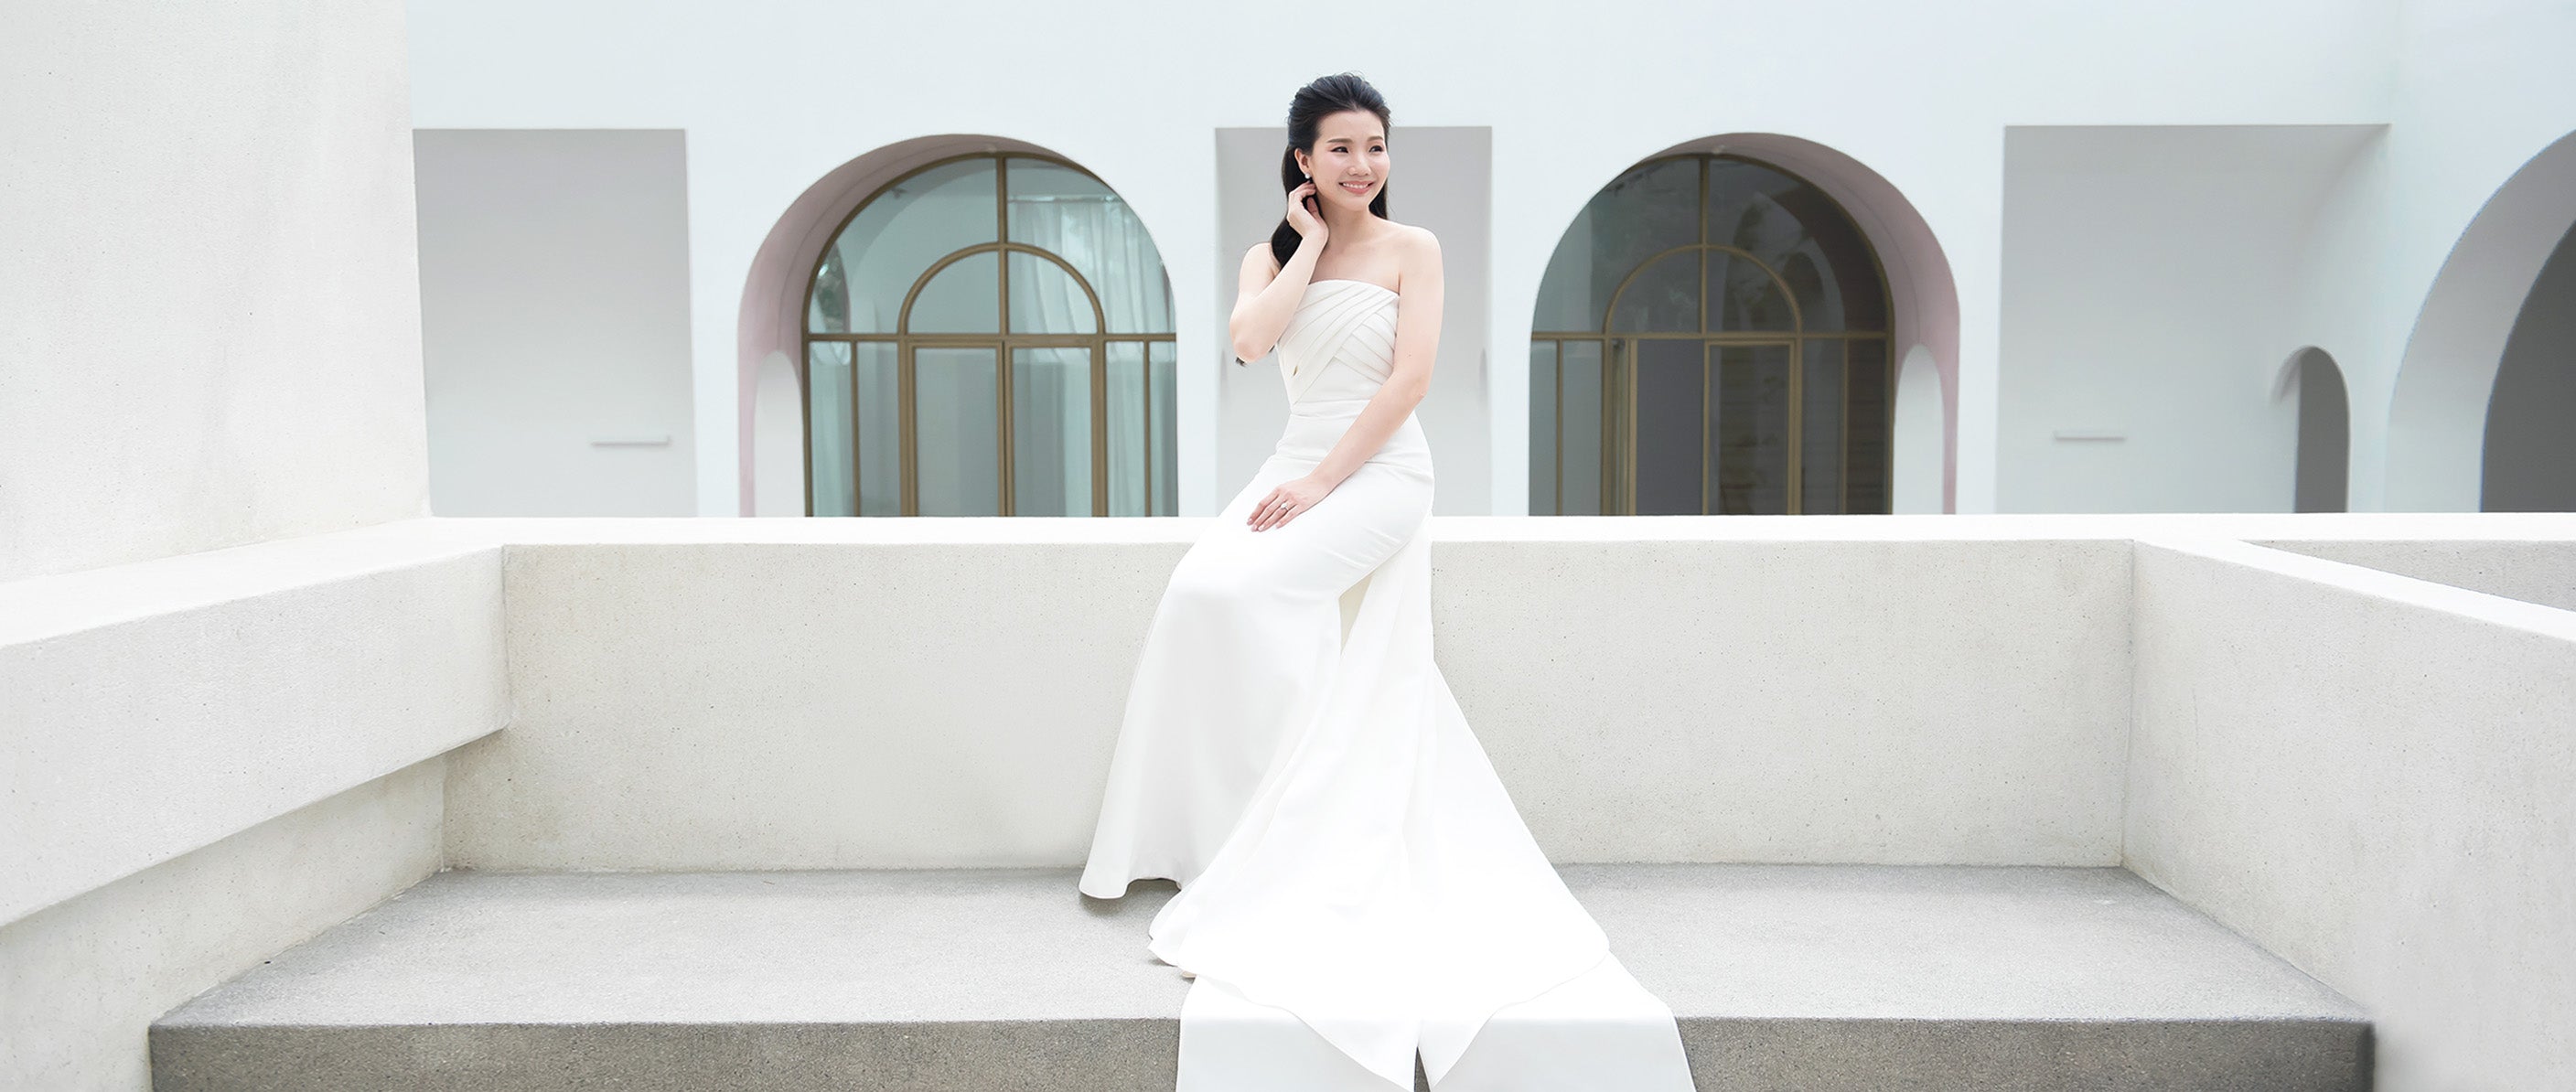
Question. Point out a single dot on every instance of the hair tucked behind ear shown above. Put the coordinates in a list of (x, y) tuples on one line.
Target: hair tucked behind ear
[(1306, 112), (1314, 102)]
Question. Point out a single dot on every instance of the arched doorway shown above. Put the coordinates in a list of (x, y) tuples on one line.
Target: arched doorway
[(1712, 336), (989, 334)]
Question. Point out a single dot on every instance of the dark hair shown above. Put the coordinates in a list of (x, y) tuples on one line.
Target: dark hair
[(1326, 96)]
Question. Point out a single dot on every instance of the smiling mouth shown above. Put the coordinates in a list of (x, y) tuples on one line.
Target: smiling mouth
[(1357, 187)]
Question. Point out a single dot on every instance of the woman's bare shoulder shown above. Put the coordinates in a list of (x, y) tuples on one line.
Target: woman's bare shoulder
[(1418, 252), (1260, 262)]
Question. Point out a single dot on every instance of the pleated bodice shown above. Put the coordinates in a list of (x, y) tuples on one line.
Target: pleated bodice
[(1337, 350), (1341, 342)]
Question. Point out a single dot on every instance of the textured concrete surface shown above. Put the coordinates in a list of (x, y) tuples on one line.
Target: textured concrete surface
[(1784, 976), (277, 392), (830, 704), (147, 710), (815, 693), (82, 980), (2371, 775), (2542, 572)]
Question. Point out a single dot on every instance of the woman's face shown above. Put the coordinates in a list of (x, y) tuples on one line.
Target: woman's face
[(1349, 162)]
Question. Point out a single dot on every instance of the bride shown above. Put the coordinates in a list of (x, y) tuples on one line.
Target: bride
[(1356, 888)]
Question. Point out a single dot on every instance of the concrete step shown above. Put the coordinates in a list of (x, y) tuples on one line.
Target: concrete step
[(1783, 977)]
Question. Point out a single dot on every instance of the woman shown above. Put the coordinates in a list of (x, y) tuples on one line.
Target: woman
[(1356, 887)]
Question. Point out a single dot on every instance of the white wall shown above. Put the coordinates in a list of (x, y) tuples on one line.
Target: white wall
[(775, 97), (207, 758), (2478, 89), (554, 282), (2369, 775), (209, 311), (1915, 429), (815, 693), (209, 340), (224, 688), (2150, 295), (87, 977)]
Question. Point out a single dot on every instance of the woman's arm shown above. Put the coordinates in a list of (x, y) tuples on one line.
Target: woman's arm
[(1417, 340), (1266, 298)]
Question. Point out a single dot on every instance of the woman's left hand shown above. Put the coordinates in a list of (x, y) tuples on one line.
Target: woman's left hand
[(1291, 499)]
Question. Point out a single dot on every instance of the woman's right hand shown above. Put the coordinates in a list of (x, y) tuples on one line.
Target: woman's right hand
[(1303, 215)]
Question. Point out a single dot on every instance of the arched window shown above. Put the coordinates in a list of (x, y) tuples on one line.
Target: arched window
[(1711, 337), (990, 334)]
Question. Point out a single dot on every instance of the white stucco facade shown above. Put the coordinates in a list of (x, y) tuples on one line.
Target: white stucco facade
[(2144, 208), (250, 686), (234, 354)]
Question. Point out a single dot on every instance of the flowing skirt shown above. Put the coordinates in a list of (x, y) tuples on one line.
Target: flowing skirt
[(1356, 886)]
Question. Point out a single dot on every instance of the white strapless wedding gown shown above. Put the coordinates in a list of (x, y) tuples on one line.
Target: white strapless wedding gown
[(1355, 885)]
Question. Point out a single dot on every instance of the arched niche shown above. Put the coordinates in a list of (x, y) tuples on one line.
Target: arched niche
[(2322, 472), (2437, 413)]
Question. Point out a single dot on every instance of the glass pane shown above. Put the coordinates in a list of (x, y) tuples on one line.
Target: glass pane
[(827, 386), (1071, 215), (1872, 395), (1047, 300), (1663, 299), (1820, 437), (1751, 422), (957, 430), (1163, 357), (1128, 489), (1671, 416), (1542, 436), (827, 307), (965, 298), (1799, 232), (1051, 431), (1742, 296), (1579, 476), (1652, 208), (899, 233), (880, 430)]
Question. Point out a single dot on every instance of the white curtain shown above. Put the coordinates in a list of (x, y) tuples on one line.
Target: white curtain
[(1097, 234)]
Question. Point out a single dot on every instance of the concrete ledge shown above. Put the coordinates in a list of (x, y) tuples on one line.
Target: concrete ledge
[(1831, 977), (2371, 775), (2316, 526), (2534, 571), (716, 705), (151, 709)]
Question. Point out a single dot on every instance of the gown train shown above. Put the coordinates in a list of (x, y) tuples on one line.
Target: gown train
[(1356, 887)]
